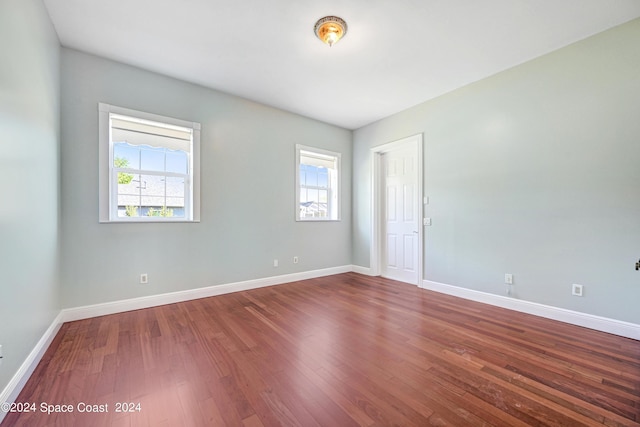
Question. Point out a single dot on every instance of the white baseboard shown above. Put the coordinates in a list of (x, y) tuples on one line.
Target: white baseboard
[(603, 324), (13, 389), (361, 270), (88, 311)]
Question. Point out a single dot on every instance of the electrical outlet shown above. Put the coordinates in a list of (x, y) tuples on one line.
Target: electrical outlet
[(1, 355), (508, 279), (576, 290), (144, 278), (295, 259), (275, 262)]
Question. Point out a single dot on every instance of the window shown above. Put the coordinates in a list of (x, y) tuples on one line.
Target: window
[(317, 184), (149, 167)]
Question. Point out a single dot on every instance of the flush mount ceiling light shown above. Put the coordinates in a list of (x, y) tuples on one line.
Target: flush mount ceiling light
[(330, 29)]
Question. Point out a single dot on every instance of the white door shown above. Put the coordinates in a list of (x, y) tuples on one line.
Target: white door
[(400, 220)]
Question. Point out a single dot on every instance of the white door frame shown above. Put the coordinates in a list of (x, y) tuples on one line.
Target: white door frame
[(376, 201)]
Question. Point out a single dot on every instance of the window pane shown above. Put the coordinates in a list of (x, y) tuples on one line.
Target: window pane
[(175, 190), (128, 211), (312, 194), (177, 162), (176, 196), (128, 195), (175, 207), (126, 156), (152, 190), (128, 200), (128, 185), (175, 202), (303, 175), (323, 178), (312, 176), (152, 159)]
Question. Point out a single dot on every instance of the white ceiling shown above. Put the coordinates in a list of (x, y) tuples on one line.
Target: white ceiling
[(396, 54)]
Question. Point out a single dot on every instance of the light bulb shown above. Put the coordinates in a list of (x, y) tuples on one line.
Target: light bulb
[(331, 38)]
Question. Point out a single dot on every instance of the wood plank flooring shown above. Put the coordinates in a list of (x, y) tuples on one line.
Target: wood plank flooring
[(343, 350)]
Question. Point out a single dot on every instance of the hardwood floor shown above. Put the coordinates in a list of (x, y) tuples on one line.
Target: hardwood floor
[(343, 350)]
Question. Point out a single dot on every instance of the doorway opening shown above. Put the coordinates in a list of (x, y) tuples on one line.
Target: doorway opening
[(397, 210)]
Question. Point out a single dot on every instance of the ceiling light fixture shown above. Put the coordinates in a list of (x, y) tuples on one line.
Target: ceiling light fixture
[(330, 29)]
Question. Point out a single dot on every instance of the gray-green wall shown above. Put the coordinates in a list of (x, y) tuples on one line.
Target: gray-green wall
[(247, 191), (29, 147), (534, 171)]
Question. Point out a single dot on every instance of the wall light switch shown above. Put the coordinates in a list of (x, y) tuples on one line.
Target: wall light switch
[(426, 221)]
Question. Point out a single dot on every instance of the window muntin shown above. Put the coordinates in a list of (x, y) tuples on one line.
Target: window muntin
[(152, 168), (317, 184)]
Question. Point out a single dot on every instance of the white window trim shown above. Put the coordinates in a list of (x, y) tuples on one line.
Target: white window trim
[(336, 192), (105, 183)]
